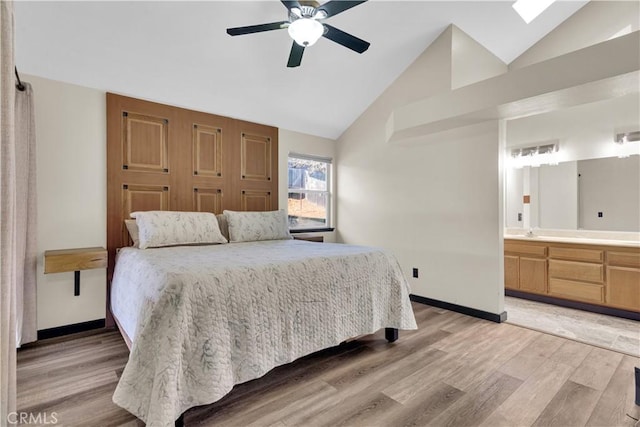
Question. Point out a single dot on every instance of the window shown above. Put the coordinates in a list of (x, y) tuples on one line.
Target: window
[(309, 198)]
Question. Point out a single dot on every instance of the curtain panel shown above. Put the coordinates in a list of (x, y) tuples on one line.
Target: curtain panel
[(7, 215), (26, 249)]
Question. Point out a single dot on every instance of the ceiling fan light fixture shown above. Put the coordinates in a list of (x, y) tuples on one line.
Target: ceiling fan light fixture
[(306, 31), (319, 14)]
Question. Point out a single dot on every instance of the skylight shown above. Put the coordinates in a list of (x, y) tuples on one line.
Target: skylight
[(530, 9)]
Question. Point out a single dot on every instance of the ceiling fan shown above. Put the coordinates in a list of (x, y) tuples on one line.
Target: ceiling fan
[(305, 27)]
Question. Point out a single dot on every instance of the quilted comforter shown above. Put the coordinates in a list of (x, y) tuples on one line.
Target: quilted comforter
[(205, 318)]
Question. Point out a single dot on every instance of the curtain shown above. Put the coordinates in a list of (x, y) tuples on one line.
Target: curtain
[(7, 215), (26, 250)]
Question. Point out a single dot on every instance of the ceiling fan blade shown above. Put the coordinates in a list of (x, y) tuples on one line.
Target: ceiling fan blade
[(345, 39), (334, 7), (295, 57), (290, 4), (238, 31)]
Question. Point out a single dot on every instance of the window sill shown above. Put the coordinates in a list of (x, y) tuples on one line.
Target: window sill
[(312, 230)]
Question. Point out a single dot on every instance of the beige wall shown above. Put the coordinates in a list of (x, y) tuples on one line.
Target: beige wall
[(610, 186), (436, 200), (72, 191), (595, 22), (584, 132), (470, 61), (435, 203)]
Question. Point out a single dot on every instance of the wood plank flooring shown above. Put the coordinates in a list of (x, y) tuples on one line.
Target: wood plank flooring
[(454, 371)]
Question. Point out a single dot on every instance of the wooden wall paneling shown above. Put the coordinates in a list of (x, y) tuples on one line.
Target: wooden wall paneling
[(255, 156), (136, 197), (140, 158), (255, 200), (145, 143), (207, 151), (140, 197), (207, 200), (257, 148), (211, 160)]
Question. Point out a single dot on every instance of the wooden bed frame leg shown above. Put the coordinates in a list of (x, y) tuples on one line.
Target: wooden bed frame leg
[(180, 421), (391, 334)]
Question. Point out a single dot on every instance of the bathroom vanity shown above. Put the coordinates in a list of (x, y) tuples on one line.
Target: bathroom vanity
[(596, 273)]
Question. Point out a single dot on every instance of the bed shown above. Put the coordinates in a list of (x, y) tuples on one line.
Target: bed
[(201, 319)]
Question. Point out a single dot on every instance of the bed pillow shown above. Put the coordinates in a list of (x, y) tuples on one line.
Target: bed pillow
[(169, 228), (132, 228), (223, 224), (253, 226)]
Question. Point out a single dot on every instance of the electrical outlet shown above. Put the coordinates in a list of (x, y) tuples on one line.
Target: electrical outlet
[(599, 214), (519, 216), (415, 273)]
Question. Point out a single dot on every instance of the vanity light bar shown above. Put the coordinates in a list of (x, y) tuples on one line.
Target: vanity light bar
[(532, 151), (623, 137)]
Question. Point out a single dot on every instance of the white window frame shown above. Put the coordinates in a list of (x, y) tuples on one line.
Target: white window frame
[(329, 162)]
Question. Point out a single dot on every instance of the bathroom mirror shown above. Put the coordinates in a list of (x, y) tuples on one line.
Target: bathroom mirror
[(595, 184), (593, 194)]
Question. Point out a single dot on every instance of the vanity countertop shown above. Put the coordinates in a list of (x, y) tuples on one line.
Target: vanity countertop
[(577, 240)]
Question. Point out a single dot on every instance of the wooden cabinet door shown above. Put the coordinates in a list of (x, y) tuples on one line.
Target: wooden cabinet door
[(533, 275), (623, 287), (511, 272)]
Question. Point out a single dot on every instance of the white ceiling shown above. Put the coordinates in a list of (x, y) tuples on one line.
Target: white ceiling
[(179, 53)]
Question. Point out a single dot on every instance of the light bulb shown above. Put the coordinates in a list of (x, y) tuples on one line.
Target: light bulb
[(305, 31)]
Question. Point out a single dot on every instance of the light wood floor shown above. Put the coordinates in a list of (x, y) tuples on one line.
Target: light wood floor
[(454, 371)]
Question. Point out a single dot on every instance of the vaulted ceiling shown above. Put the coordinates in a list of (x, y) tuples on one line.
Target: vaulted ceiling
[(179, 53)]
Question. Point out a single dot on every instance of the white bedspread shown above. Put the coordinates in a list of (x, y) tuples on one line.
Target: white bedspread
[(205, 318)]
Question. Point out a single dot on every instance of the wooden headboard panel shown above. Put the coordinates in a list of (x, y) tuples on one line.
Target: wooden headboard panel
[(161, 157)]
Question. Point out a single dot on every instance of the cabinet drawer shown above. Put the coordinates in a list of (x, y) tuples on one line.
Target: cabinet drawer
[(623, 259), (581, 291), (576, 254), (623, 287), (523, 248), (576, 271)]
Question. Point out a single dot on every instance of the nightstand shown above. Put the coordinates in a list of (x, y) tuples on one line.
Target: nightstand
[(63, 260), (309, 238)]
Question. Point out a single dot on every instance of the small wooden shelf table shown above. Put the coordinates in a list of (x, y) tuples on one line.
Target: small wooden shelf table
[(63, 260)]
